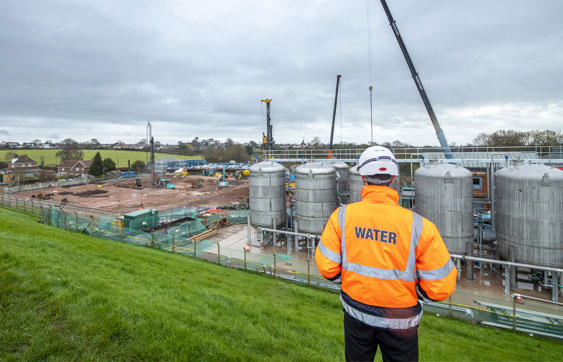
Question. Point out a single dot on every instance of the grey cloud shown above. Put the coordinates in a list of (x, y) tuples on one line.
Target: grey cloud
[(200, 69)]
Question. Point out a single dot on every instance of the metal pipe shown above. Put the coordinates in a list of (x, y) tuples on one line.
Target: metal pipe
[(493, 222), (249, 229), (555, 289), (469, 263), (514, 312), (295, 240), (275, 240), (507, 279), (512, 257), (288, 233), (516, 295), (506, 263)]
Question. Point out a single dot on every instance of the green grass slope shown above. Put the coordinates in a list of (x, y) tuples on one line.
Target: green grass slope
[(65, 297), (120, 157)]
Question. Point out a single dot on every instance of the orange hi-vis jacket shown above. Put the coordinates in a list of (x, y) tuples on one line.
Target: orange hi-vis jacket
[(383, 254)]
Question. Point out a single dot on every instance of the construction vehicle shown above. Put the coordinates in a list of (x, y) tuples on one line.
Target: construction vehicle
[(242, 175), (439, 132), (223, 183), (181, 171), (164, 182), (268, 138)]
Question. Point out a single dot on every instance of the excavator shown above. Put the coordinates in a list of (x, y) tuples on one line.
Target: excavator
[(242, 175)]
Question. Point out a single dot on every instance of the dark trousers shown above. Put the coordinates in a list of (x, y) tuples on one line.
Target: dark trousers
[(362, 341)]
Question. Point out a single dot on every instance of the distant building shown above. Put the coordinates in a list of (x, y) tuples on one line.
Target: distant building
[(6, 176), (23, 165), (13, 145), (74, 168)]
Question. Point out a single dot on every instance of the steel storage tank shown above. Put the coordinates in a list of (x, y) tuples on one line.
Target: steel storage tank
[(267, 194), (356, 184), (342, 180), (315, 196), (529, 213), (444, 195)]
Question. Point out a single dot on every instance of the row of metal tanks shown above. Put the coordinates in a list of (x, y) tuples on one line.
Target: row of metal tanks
[(319, 189), (529, 203)]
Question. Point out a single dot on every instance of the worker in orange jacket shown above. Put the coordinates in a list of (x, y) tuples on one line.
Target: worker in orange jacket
[(386, 257)]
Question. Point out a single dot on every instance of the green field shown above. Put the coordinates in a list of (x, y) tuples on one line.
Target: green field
[(70, 297), (118, 156)]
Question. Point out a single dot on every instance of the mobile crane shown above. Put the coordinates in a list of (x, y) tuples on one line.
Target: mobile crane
[(418, 83)]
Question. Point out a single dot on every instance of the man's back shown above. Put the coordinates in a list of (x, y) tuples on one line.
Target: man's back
[(378, 235), (384, 256)]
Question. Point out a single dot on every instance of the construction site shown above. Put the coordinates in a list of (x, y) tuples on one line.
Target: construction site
[(122, 196), (498, 210)]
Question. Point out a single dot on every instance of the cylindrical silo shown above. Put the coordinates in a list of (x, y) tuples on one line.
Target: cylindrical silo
[(315, 196), (267, 194), (529, 213), (444, 195), (356, 184), (342, 180)]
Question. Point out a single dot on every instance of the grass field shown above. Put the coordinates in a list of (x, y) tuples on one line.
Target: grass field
[(120, 157), (69, 297)]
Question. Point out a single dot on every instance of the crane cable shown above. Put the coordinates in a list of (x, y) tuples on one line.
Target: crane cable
[(370, 66)]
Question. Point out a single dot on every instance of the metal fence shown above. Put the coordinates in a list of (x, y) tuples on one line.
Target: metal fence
[(549, 152), (45, 185), (493, 310)]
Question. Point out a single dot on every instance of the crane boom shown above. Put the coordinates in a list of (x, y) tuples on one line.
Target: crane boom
[(333, 116), (439, 132), (151, 140)]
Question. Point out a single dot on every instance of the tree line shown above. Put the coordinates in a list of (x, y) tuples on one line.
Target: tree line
[(520, 138)]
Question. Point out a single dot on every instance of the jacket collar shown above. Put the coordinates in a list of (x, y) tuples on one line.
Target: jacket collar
[(380, 195)]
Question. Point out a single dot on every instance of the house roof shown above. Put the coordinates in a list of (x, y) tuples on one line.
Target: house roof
[(23, 159), (72, 163)]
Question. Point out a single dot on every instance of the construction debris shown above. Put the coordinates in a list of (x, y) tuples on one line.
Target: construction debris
[(203, 235)]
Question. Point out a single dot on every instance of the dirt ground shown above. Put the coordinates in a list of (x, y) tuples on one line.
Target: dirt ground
[(122, 196)]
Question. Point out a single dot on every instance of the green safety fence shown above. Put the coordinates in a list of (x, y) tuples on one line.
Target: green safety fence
[(178, 213), (238, 216), (187, 229)]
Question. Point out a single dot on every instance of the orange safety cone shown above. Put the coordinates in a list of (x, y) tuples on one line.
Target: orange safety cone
[(519, 299)]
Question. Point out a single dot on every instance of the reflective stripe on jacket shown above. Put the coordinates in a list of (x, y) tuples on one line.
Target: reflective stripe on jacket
[(380, 251)]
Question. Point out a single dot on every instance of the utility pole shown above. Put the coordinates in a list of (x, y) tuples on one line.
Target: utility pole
[(333, 116), (268, 139)]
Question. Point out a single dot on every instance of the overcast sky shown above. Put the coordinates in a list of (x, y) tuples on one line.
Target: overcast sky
[(102, 69)]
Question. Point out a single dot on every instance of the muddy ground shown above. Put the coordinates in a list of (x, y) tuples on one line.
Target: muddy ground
[(123, 196)]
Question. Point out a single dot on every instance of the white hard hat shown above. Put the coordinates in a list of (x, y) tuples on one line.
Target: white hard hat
[(377, 160)]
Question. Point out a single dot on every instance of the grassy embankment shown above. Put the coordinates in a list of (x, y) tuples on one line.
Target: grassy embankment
[(65, 296), (120, 157)]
